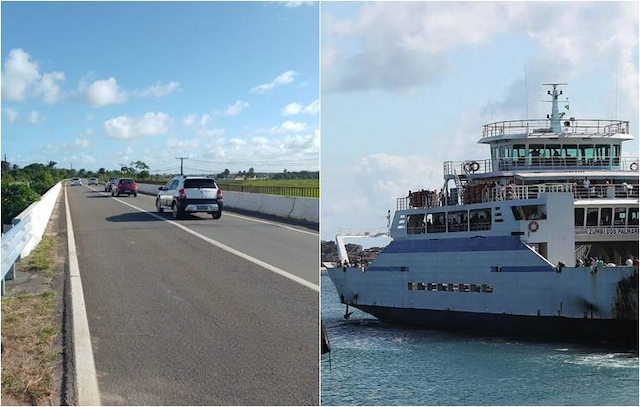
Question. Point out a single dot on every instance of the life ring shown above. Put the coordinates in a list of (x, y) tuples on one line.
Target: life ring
[(533, 226), (633, 167), (466, 167), (475, 166)]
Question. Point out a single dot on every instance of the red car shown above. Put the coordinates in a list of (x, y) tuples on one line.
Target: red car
[(124, 186)]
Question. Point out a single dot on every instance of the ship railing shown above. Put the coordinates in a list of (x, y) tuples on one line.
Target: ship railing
[(569, 126), (472, 167), (513, 192)]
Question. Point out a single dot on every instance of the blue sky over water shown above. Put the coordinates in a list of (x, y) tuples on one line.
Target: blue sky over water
[(408, 85), (231, 85)]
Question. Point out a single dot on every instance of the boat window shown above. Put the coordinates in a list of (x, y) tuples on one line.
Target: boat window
[(579, 216), (536, 152), (620, 216), (586, 154), (570, 154), (436, 223), (616, 150), (605, 216), (420, 286), (592, 216), (457, 221), (415, 225), (602, 154), (633, 217), (518, 153), (529, 212), (480, 219)]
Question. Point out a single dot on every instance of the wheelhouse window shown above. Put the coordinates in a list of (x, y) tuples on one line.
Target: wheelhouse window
[(457, 221), (579, 216), (602, 154), (553, 154), (519, 153), (536, 152), (606, 216), (592, 216), (480, 219), (586, 154), (529, 212), (436, 222), (633, 217), (616, 154), (570, 154), (620, 217), (415, 225)]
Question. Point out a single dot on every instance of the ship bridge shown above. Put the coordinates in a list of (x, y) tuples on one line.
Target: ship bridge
[(560, 147)]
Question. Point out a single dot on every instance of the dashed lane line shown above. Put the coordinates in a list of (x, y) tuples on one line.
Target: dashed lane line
[(223, 246)]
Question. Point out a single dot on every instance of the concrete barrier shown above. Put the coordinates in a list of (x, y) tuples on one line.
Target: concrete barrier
[(288, 207)]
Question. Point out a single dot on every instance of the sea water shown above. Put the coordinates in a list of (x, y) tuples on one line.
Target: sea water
[(378, 364)]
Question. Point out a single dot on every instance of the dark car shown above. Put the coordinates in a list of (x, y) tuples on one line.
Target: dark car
[(125, 186)]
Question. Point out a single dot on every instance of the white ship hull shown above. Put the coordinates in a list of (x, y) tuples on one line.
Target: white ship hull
[(494, 284)]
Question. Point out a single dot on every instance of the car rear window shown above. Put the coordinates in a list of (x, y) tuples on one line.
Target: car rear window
[(126, 181), (200, 183)]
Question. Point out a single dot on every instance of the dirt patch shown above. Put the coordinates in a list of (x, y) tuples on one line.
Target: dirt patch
[(32, 324)]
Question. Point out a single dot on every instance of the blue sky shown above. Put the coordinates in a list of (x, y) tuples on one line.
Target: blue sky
[(230, 85), (407, 86)]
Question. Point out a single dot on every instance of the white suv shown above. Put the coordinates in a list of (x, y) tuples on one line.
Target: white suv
[(190, 194)]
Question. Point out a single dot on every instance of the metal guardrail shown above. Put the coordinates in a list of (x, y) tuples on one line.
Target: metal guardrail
[(304, 192), (13, 243), (29, 226), (513, 192), (470, 167), (541, 126)]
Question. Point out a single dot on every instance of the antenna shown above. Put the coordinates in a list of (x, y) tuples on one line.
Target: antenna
[(616, 94), (526, 84), (555, 117)]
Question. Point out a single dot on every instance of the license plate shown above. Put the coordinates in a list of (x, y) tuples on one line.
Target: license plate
[(203, 207)]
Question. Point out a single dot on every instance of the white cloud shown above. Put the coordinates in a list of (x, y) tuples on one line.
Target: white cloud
[(21, 79), (19, 73), (159, 90), (204, 132), (296, 108), (204, 119), (105, 92), (189, 119), (48, 87), (149, 125), (33, 117), (284, 78), (294, 4), (236, 108), (12, 115), (288, 127), (181, 144), (82, 142)]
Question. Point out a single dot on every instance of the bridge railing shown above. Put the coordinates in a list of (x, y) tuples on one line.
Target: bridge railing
[(27, 230)]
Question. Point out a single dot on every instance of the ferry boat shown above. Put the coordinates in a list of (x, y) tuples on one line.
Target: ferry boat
[(540, 240)]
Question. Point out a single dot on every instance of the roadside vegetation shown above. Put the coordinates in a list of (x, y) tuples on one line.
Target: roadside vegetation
[(31, 350)]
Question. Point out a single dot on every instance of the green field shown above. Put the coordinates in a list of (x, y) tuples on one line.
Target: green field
[(313, 183)]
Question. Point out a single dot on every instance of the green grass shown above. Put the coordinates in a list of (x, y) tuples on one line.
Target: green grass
[(313, 183), (41, 258)]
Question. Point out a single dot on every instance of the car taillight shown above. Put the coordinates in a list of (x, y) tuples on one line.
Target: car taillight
[(219, 196), (182, 194)]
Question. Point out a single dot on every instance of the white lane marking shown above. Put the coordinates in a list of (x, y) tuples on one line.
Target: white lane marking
[(271, 223), (223, 246), (86, 377)]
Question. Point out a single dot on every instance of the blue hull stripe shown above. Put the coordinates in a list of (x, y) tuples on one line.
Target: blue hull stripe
[(521, 269), (387, 268), (464, 244)]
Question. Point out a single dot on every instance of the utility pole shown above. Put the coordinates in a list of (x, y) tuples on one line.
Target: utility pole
[(181, 162)]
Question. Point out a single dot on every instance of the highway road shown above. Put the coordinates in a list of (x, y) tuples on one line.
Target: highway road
[(176, 319)]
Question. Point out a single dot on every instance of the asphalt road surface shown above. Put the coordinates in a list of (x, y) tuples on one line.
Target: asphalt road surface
[(177, 320)]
